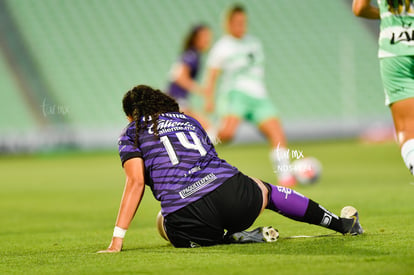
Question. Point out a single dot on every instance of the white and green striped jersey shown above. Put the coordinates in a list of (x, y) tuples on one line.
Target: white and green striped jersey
[(397, 28), (241, 62)]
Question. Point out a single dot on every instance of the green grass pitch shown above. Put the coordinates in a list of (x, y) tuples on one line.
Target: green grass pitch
[(57, 210)]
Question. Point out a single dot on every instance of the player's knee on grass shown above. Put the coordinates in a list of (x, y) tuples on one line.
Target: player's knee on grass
[(160, 226)]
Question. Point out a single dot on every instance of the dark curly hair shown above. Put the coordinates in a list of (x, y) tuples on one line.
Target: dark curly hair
[(399, 6), (145, 102), (190, 39)]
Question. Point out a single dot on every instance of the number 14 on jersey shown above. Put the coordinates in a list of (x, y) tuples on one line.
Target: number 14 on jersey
[(197, 145)]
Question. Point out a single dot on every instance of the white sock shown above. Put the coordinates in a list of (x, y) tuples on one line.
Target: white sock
[(407, 153), (281, 162)]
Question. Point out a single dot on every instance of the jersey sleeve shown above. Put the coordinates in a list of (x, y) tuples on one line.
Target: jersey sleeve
[(127, 148), (190, 59)]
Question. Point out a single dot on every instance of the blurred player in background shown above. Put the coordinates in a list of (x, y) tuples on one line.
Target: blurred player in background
[(237, 60), (201, 194), (185, 71), (396, 53)]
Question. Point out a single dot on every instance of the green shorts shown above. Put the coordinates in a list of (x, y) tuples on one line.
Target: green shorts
[(252, 109), (397, 75)]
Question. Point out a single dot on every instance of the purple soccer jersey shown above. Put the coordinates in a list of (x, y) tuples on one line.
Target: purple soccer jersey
[(191, 58), (181, 164)]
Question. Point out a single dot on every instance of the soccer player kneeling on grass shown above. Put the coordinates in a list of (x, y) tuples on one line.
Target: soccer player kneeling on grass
[(204, 200)]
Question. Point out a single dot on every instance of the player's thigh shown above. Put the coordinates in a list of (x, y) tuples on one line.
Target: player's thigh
[(195, 225), (239, 202), (233, 206)]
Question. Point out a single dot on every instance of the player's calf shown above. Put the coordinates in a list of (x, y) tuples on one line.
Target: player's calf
[(296, 206)]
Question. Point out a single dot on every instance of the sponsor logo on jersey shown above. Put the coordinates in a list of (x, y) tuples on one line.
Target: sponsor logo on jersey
[(188, 191), (168, 125), (403, 36)]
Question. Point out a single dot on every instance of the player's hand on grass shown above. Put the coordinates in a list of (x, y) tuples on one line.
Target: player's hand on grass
[(115, 246)]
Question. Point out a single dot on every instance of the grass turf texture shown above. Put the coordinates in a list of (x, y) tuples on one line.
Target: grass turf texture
[(56, 211)]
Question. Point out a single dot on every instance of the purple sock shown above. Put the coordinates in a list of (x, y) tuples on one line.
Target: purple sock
[(296, 206), (287, 202)]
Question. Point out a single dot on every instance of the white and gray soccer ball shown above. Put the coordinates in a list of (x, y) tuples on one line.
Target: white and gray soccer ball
[(307, 170)]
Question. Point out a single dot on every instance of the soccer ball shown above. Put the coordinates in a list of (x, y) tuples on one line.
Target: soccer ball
[(307, 170)]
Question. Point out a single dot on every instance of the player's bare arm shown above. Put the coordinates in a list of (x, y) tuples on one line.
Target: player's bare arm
[(210, 87), (363, 8), (131, 198), (183, 79)]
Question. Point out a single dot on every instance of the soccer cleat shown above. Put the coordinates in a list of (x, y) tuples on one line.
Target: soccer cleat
[(350, 221), (259, 235)]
